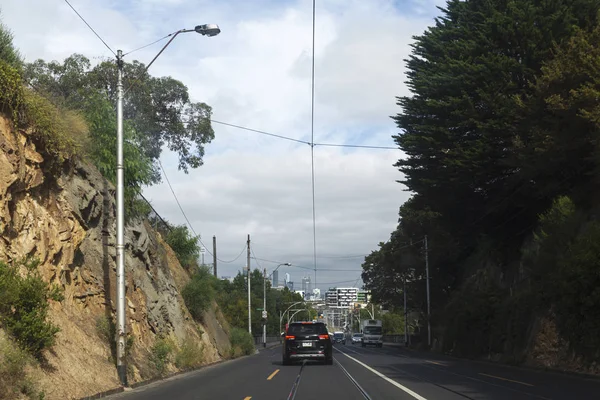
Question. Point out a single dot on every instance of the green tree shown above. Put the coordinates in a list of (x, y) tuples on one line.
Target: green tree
[(468, 75), (502, 119), (8, 52), (159, 110), (184, 245)]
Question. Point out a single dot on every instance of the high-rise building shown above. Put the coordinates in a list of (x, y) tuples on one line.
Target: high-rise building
[(287, 278), (316, 293), (290, 285), (306, 286), (275, 278), (341, 297)]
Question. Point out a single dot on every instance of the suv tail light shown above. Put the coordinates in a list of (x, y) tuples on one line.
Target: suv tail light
[(323, 337), (290, 337)]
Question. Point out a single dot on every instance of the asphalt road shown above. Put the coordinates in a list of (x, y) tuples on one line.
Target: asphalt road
[(390, 372)]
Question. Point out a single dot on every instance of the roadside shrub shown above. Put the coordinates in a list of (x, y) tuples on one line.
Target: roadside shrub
[(242, 340), (199, 293), (24, 306), (190, 354), (161, 354), (60, 133), (184, 245), (13, 378)]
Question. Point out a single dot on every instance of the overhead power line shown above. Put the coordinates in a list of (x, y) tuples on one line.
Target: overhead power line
[(259, 131), (148, 45), (188, 221), (303, 267), (364, 146), (92, 29), (357, 145)]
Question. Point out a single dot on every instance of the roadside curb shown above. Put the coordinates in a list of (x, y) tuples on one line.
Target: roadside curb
[(580, 375), (136, 385), (259, 348)]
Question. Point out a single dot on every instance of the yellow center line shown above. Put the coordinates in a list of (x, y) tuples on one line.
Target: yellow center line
[(504, 379), (247, 398), (272, 375), (436, 363)]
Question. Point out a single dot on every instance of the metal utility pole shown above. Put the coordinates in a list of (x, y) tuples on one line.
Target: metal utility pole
[(121, 327), (205, 30), (265, 307), (249, 303), (215, 254), (428, 300), (405, 313)]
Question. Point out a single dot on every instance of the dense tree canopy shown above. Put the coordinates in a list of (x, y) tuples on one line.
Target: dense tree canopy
[(503, 119), (159, 110)]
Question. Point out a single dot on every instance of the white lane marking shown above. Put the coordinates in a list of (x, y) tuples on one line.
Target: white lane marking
[(382, 376)]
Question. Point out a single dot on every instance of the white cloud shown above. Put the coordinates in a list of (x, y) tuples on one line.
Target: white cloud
[(257, 74)]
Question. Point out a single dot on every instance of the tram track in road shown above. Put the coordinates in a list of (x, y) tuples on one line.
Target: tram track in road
[(337, 364), (354, 382), (296, 384), (437, 369)]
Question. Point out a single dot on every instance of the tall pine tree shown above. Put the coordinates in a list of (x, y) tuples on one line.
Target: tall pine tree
[(460, 128)]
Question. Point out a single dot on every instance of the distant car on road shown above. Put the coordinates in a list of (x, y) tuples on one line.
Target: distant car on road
[(307, 341), (339, 337), (356, 338)]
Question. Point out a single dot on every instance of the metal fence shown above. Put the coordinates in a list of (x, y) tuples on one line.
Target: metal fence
[(270, 339), (412, 339)]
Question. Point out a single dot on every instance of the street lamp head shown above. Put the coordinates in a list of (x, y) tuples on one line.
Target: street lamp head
[(208, 29), (288, 264)]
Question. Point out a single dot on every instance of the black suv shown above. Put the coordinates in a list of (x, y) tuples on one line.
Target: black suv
[(307, 340)]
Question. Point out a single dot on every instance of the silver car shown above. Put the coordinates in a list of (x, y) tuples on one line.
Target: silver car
[(356, 338)]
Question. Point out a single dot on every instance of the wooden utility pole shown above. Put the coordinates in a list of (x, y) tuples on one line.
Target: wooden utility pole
[(215, 255), (249, 301)]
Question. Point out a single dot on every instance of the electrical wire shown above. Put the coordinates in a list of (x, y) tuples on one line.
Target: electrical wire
[(259, 131), (148, 45), (92, 29), (188, 221), (358, 146), (303, 267)]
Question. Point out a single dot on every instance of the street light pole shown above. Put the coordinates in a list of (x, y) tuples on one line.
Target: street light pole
[(249, 298), (265, 301), (121, 331), (121, 327), (265, 306)]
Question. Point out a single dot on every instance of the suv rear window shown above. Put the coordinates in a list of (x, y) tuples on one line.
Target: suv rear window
[(307, 329)]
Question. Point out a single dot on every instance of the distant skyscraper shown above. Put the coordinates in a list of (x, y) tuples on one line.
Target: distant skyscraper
[(275, 278), (290, 285), (287, 278), (306, 287)]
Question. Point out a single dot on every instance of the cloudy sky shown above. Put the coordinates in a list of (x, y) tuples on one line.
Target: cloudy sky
[(257, 73)]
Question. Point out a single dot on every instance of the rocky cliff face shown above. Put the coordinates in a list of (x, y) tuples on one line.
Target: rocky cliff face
[(68, 223)]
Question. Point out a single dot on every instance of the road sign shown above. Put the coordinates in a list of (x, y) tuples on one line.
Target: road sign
[(259, 309), (264, 314)]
